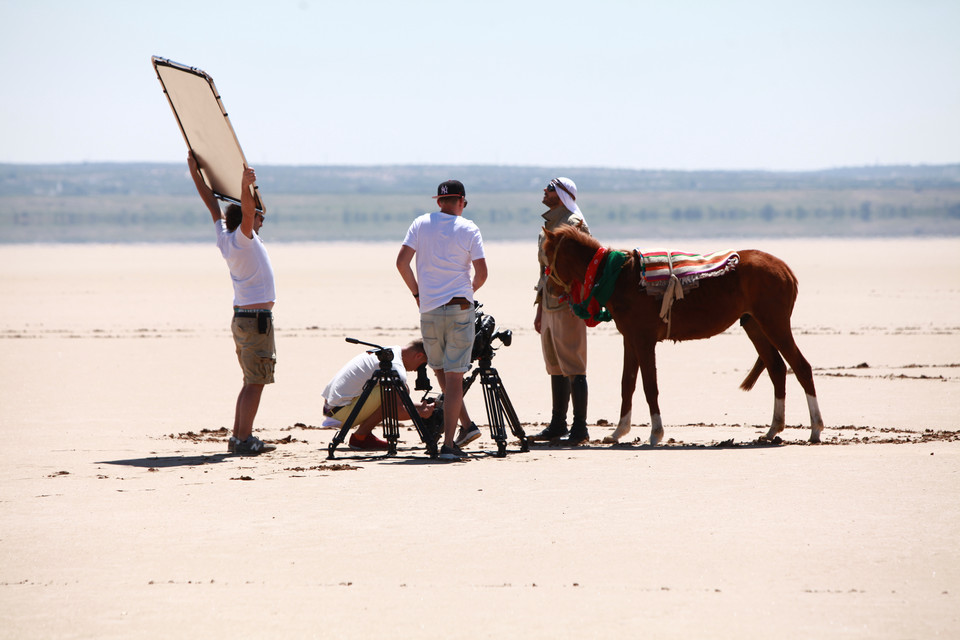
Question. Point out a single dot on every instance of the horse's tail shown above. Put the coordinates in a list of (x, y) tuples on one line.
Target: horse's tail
[(753, 376)]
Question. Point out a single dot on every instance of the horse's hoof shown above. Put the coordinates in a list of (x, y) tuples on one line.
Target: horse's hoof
[(611, 440), (619, 432)]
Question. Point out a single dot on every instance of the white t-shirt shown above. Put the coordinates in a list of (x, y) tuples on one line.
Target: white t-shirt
[(349, 381), (446, 247), (250, 268)]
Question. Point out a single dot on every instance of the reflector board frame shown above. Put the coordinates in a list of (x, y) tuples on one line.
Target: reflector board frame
[(206, 127)]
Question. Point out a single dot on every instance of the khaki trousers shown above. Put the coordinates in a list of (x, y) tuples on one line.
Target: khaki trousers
[(563, 337)]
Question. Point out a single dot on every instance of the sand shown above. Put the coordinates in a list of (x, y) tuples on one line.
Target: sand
[(122, 517)]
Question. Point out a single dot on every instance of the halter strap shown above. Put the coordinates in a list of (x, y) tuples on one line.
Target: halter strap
[(549, 271)]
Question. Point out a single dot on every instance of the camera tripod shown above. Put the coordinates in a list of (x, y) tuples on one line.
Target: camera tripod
[(392, 389), (500, 411)]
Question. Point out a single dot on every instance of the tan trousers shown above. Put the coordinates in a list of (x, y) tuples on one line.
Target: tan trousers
[(563, 337)]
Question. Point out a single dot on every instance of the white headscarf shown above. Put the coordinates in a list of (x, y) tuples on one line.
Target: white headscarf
[(567, 190)]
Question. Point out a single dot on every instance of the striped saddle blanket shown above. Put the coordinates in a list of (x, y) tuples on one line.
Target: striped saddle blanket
[(659, 266)]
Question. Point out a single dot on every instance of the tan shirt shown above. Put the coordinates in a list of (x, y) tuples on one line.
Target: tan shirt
[(548, 292)]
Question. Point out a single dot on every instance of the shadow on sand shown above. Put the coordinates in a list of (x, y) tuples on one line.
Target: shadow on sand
[(166, 462)]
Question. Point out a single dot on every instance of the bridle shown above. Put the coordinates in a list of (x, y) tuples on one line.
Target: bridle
[(551, 272), (599, 281)]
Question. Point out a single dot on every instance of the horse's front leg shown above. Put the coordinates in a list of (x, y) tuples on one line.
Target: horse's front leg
[(647, 357), (628, 384)]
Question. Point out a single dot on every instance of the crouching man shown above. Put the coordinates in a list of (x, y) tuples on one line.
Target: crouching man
[(343, 393)]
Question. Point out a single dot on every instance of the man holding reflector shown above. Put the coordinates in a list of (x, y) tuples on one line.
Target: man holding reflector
[(254, 295), (215, 151)]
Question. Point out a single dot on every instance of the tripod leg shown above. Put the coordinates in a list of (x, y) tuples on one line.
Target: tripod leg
[(345, 428), (494, 411), (504, 405), (388, 407), (468, 382), (391, 425), (515, 425)]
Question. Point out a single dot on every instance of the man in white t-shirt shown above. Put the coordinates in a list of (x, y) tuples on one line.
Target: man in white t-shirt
[(344, 390), (254, 295), (446, 245)]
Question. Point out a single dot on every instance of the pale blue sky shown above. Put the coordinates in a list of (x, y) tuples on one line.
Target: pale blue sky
[(683, 84)]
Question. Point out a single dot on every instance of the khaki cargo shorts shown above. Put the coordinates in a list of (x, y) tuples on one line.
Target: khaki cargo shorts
[(257, 352)]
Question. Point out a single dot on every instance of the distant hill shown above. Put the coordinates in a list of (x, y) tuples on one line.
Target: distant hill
[(157, 202)]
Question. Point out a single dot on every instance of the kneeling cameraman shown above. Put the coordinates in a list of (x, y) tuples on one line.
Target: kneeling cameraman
[(343, 392)]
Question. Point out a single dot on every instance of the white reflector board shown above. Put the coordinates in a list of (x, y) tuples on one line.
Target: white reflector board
[(205, 127)]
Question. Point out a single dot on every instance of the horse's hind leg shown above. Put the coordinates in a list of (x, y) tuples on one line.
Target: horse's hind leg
[(781, 336), (628, 384), (804, 373), (775, 367)]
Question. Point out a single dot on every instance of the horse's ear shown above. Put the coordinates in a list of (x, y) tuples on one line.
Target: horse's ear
[(547, 233)]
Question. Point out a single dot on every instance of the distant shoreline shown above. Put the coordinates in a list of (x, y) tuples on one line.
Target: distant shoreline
[(137, 202)]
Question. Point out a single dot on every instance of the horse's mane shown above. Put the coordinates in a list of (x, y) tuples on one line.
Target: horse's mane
[(575, 234)]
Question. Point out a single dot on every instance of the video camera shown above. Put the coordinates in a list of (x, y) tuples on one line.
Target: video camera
[(486, 333)]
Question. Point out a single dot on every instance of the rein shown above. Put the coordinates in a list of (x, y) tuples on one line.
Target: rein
[(598, 291), (551, 272)]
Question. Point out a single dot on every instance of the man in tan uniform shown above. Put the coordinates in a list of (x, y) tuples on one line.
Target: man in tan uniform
[(563, 336)]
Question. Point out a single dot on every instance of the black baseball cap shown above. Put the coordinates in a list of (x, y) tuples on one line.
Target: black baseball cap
[(450, 188)]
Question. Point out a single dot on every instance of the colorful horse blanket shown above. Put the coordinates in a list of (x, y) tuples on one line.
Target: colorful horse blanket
[(670, 274), (658, 267)]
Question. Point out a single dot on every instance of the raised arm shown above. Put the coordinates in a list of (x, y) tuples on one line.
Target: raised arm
[(206, 194), (247, 204)]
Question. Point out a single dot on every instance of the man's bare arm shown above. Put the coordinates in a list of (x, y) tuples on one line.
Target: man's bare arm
[(206, 194), (479, 273), (247, 205), (406, 271)]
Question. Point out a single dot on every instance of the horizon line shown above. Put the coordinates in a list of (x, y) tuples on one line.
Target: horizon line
[(496, 165)]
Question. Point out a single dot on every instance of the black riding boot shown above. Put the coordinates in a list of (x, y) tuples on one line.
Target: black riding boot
[(578, 431), (560, 385)]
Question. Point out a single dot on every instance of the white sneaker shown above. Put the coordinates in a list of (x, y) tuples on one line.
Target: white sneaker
[(252, 446)]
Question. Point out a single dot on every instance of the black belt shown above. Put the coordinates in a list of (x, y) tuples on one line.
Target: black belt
[(251, 313), (262, 316), (328, 411)]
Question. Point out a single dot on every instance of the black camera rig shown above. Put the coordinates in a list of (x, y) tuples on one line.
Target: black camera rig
[(500, 411), (392, 389)]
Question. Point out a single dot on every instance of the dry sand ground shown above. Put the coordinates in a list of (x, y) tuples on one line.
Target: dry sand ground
[(121, 518)]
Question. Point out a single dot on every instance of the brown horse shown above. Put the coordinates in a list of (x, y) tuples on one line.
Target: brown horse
[(760, 292)]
